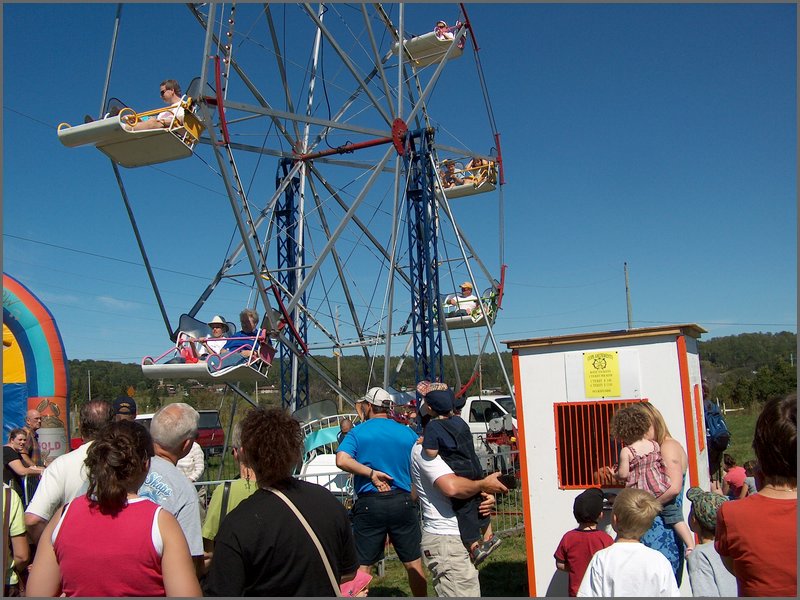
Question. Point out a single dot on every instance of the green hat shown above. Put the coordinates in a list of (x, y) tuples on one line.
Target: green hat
[(705, 505)]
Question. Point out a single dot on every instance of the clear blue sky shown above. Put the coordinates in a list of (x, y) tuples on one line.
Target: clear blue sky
[(664, 136)]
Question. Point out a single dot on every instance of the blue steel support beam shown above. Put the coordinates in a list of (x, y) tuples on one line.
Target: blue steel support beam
[(422, 243), (289, 256)]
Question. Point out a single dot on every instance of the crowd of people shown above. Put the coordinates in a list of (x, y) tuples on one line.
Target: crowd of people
[(732, 557), (270, 533)]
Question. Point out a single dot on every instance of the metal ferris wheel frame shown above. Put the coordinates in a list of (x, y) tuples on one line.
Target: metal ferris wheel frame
[(284, 214)]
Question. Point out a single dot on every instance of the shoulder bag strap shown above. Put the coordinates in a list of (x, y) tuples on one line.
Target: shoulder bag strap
[(226, 492), (313, 536), (6, 529)]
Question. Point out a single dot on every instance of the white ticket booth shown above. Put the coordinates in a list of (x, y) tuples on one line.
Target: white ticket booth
[(567, 388)]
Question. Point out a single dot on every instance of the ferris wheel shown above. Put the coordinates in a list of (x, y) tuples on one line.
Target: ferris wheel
[(385, 159)]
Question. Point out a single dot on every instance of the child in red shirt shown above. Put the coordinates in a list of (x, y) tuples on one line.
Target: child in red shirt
[(579, 545), (733, 482)]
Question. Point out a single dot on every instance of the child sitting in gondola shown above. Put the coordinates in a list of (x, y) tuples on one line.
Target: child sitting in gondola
[(442, 31)]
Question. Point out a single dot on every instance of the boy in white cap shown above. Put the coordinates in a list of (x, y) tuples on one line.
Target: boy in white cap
[(443, 31), (466, 301)]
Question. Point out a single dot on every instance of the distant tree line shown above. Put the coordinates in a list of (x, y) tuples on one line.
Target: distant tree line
[(741, 370), (750, 367)]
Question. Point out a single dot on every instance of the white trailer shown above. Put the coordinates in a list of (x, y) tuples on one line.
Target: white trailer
[(567, 388)]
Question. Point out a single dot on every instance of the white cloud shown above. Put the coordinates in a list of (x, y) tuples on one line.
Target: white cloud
[(116, 303), (47, 298)]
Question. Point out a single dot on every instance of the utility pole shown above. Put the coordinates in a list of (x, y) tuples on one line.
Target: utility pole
[(480, 367), (338, 353), (628, 297)]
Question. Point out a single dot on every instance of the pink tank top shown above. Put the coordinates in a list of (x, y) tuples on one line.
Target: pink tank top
[(101, 555), (647, 471)]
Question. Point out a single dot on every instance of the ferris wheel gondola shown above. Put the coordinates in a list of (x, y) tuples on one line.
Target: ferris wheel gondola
[(116, 137), (357, 217)]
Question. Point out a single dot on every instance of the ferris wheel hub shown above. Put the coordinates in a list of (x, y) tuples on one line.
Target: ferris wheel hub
[(399, 131)]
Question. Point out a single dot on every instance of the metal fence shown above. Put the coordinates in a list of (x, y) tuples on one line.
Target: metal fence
[(508, 515)]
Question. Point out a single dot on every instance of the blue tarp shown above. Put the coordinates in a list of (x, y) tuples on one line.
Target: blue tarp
[(318, 438)]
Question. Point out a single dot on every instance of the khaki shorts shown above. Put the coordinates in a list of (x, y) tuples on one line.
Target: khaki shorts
[(452, 571)]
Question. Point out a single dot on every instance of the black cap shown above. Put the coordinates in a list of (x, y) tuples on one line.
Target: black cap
[(125, 405), (441, 401), (588, 505)]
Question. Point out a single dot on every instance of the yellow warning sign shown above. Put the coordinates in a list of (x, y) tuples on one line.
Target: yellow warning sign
[(601, 374)]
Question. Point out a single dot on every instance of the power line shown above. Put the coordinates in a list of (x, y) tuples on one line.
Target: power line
[(34, 119), (726, 323), (87, 253)]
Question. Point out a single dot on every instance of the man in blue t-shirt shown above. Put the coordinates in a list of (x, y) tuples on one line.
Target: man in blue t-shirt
[(378, 454)]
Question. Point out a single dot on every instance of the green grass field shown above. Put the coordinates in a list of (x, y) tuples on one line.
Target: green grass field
[(742, 425), (503, 574)]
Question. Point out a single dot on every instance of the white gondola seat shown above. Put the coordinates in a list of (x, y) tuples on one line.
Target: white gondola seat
[(127, 148), (216, 367), (320, 445), (426, 49)]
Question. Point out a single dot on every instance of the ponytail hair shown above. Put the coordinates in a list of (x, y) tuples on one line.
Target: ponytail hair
[(117, 458)]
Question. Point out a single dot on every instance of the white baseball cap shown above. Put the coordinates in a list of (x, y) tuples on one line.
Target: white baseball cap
[(377, 396)]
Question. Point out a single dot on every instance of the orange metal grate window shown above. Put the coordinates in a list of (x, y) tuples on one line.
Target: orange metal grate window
[(584, 444)]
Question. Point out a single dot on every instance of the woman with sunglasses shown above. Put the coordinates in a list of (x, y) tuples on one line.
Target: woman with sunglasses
[(171, 94)]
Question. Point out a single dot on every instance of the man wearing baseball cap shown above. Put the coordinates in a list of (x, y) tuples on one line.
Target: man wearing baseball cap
[(466, 301), (124, 409), (378, 453)]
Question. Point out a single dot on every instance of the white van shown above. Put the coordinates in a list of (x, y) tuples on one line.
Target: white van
[(479, 410)]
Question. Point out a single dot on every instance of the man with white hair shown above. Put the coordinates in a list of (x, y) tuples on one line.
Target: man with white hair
[(378, 453), (31, 454), (174, 429), (66, 477)]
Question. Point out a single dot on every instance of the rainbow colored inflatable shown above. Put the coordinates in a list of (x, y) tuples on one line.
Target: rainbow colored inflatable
[(35, 373)]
